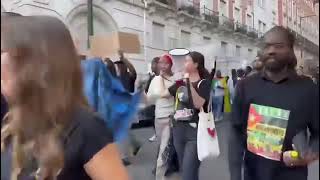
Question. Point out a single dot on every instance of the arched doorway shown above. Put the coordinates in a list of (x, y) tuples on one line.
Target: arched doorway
[(77, 22)]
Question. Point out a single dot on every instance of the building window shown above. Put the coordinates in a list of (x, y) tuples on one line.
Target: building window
[(262, 3), (223, 7), (264, 26), (238, 51), (173, 43), (185, 39), (237, 14), (206, 39), (260, 26), (224, 48), (250, 52), (158, 35), (249, 20)]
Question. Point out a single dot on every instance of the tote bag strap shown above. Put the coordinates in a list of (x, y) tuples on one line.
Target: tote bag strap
[(209, 108), (176, 103)]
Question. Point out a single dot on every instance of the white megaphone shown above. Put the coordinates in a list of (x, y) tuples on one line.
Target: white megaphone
[(178, 55)]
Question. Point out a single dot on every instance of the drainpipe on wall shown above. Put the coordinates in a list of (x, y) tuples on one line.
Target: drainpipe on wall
[(145, 2), (90, 21)]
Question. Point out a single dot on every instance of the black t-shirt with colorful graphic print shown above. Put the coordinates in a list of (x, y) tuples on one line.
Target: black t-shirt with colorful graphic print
[(266, 118), (182, 97)]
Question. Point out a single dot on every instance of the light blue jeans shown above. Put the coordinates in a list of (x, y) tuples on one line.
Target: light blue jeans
[(217, 107)]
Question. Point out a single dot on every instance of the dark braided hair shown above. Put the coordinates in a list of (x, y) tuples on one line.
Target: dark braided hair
[(285, 32)]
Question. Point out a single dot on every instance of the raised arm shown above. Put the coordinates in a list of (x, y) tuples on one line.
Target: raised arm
[(128, 64)]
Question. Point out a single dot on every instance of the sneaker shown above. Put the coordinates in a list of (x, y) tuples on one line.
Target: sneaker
[(154, 171), (136, 150), (126, 162), (153, 138)]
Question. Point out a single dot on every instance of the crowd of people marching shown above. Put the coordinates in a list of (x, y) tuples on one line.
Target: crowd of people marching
[(65, 118)]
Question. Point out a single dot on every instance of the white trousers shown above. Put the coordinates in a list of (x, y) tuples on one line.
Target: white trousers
[(162, 127)]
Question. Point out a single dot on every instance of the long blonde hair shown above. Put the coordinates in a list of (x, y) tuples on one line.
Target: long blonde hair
[(49, 89)]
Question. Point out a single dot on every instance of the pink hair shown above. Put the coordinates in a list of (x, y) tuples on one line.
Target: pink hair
[(168, 58)]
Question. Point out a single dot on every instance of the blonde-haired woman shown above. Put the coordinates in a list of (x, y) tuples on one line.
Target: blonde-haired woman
[(49, 120)]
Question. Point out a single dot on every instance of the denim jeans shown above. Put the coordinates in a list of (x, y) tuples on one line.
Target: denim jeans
[(217, 106), (185, 143)]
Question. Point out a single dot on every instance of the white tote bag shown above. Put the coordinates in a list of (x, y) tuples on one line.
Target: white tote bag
[(207, 140)]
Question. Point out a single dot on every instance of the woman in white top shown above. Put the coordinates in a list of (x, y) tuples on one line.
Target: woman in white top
[(164, 108)]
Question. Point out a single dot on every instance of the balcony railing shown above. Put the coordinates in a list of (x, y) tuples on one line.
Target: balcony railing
[(164, 1), (252, 33), (134, 2), (190, 7), (210, 15), (226, 23), (190, 10), (240, 28)]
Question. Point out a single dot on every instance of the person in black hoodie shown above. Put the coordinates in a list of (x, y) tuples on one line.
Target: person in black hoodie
[(270, 109), (126, 73)]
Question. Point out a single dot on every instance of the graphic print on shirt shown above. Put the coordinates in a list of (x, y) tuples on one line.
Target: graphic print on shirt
[(266, 131), (182, 106)]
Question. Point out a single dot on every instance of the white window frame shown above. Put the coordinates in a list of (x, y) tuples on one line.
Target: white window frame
[(262, 3), (237, 14), (223, 10), (250, 52), (249, 20), (207, 39), (224, 48), (185, 43), (238, 51), (157, 41)]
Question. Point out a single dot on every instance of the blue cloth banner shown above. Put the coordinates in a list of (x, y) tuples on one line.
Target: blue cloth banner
[(109, 98)]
